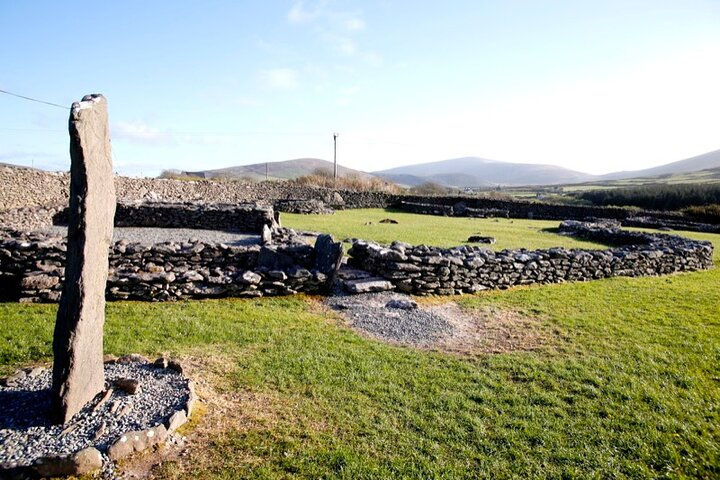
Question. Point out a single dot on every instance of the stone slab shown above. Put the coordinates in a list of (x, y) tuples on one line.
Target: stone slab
[(368, 285), (78, 339)]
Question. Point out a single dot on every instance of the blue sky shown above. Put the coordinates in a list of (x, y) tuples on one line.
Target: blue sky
[(595, 86)]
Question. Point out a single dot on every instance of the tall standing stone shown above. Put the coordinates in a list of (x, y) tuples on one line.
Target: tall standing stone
[(78, 373)]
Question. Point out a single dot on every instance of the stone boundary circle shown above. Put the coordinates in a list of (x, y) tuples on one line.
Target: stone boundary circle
[(32, 265), (423, 270), (99, 445)]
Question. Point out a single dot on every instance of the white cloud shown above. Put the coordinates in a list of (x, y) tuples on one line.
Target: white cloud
[(281, 78), (353, 24), (299, 14), (335, 28), (139, 132), (345, 46), (372, 59)]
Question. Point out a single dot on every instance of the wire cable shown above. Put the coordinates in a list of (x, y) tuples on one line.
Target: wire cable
[(34, 100)]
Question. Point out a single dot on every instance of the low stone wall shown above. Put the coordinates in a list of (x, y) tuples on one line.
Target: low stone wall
[(30, 218), (426, 208), (24, 187), (307, 207), (240, 218), (487, 207), (481, 207), (670, 224), (32, 269), (424, 270), (21, 187)]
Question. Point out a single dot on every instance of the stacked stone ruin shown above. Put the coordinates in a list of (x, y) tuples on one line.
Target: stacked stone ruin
[(32, 269), (424, 270), (32, 265), (244, 217)]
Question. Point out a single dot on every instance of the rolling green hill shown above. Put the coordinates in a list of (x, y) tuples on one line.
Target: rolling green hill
[(285, 170), (480, 172)]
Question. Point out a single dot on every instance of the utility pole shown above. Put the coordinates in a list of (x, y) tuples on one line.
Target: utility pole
[(266, 171), (335, 135)]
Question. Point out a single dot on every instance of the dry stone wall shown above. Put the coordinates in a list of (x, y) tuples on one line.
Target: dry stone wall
[(25, 187), (489, 207), (241, 217), (202, 216), (21, 188), (486, 207), (32, 269), (312, 206), (32, 265), (424, 270)]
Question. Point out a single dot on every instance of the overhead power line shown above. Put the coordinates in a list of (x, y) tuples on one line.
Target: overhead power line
[(34, 100)]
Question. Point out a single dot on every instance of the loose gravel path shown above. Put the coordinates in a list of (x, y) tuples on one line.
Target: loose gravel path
[(158, 235), (396, 318), (392, 317)]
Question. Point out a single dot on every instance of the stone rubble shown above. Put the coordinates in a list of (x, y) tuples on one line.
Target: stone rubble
[(481, 239)]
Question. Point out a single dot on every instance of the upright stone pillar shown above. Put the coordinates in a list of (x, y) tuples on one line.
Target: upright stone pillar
[(78, 373)]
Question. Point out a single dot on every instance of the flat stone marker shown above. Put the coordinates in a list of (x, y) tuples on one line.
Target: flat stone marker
[(78, 373), (368, 285)]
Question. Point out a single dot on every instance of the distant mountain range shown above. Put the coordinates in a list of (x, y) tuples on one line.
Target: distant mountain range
[(285, 170), (705, 161), (472, 172), (459, 172), (481, 172), (3, 164)]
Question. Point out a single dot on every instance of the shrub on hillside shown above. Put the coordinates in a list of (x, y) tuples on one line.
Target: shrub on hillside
[(429, 188), (706, 213), (176, 175), (349, 182)]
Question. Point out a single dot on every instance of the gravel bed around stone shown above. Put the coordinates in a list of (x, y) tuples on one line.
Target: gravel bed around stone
[(149, 236), (27, 434), (392, 317)]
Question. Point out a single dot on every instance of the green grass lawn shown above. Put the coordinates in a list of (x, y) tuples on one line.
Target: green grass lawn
[(435, 230), (627, 384)]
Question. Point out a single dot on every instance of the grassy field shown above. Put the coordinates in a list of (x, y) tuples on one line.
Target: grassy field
[(435, 230), (626, 383)]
